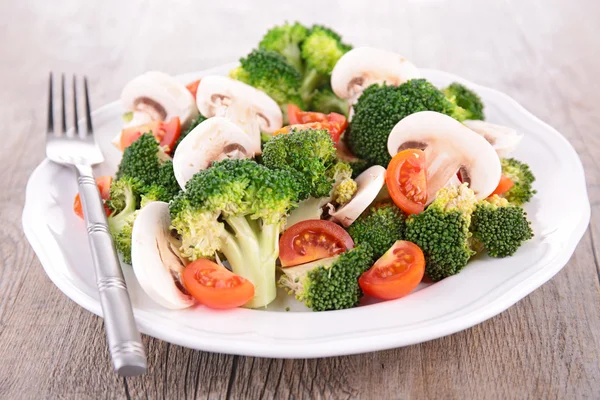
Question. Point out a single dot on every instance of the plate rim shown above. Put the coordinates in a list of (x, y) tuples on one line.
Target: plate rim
[(343, 346)]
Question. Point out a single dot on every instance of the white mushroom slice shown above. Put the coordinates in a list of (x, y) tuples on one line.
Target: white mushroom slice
[(215, 139), (502, 138), (155, 259), (161, 97), (449, 147), (369, 185), (249, 108), (364, 66)]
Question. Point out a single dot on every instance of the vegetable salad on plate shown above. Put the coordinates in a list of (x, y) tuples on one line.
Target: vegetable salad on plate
[(330, 171)]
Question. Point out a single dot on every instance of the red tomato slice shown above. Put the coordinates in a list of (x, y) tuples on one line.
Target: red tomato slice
[(103, 183), (406, 180), (396, 273), (504, 186), (193, 87), (166, 133), (215, 286), (312, 240), (335, 123)]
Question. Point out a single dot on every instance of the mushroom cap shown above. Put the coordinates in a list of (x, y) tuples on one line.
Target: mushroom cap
[(215, 139), (217, 93), (502, 138), (155, 262), (161, 96), (363, 66), (369, 185), (449, 147)]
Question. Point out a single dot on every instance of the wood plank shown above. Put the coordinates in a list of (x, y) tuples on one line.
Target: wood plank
[(543, 53)]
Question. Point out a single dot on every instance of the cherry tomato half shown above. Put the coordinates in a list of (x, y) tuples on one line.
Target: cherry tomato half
[(312, 240), (103, 183), (193, 87), (215, 286), (396, 273), (335, 123), (406, 180), (166, 133), (504, 186)]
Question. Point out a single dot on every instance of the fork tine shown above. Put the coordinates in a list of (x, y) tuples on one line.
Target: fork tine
[(63, 105), (50, 127), (75, 116), (88, 112)]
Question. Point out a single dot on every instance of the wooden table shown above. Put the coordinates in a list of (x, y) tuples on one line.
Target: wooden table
[(544, 53)]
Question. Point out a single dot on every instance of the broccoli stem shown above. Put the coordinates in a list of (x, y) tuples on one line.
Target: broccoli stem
[(311, 80), (252, 251)]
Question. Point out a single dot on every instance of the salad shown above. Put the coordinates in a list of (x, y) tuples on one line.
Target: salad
[(330, 171)]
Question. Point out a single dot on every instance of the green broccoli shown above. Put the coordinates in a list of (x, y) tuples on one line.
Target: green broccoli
[(380, 107), (325, 101), (380, 227), (286, 40), (522, 177), (270, 72), (321, 50), (501, 227), (308, 154), (124, 203), (237, 208), (331, 283), (468, 103), (442, 231), (195, 122)]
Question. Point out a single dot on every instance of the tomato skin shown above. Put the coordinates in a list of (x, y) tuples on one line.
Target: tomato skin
[(504, 186), (166, 133), (215, 286), (103, 183), (193, 87), (335, 123), (312, 240), (406, 180), (396, 273)]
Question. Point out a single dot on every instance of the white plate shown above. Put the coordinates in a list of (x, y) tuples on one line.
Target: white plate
[(483, 289)]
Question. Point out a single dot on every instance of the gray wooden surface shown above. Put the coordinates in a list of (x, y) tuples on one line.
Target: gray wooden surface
[(544, 53)]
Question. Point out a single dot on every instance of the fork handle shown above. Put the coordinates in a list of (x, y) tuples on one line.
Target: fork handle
[(124, 339)]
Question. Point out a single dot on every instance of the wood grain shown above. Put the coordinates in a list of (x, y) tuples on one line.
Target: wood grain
[(544, 53)]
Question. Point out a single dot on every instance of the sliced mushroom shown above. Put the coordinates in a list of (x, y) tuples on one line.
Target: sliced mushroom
[(364, 66), (215, 139), (369, 185), (249, 108), (449, 147), (161, 97), (502, 138), (155, 258)]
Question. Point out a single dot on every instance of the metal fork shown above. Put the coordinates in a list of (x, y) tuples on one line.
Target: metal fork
[(77, 147)]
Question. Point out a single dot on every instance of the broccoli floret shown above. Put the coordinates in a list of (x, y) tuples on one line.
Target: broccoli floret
[(523, 179), (380, 228), (270, 72), (124, 202), (442, 231), (358, 167), (501, 227), (308, 154), (236, 208), (145, 161), (321, 50), (195, 122), (325, 101), (469, 103), (329, 284), (286, 40), (344, 187), (380, 107)]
